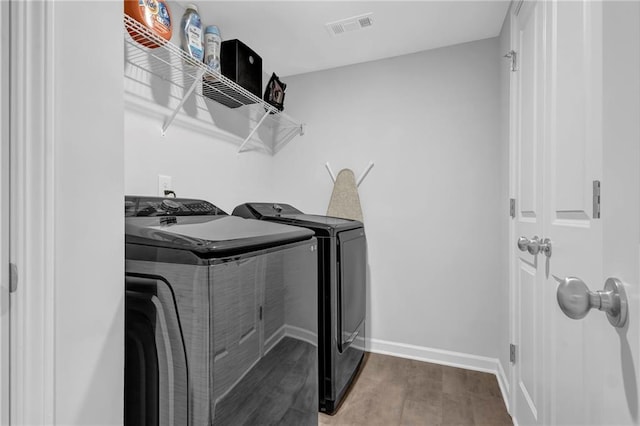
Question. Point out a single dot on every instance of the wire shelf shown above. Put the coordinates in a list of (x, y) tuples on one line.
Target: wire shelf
[(156, 56)]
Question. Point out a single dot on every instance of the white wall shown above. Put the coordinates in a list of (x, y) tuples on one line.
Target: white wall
[(435, 202), (201, 158), (88, 184), (200, 165)]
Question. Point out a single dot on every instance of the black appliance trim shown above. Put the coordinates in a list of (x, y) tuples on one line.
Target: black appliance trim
[(175, 307), (329, 406), (342, 346), (147, 251)]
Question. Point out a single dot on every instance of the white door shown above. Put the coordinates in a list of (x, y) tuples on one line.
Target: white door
[(594, 91), (4, 214), (572, 162), (573, 372), (527, 270)]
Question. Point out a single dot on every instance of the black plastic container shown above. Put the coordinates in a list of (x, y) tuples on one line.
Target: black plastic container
[(241, 65)]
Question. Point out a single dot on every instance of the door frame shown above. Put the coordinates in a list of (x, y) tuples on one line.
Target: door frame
[(32, 210), (512, 196), (5, 114)]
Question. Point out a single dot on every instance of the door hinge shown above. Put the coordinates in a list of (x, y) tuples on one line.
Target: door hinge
[(513, 55), (13, 277), (260, 313), (512, 353), (596, 199), (512, 207)]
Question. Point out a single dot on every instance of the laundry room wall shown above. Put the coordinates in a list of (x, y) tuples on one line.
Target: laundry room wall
[(87, 180), (434, 204), (200, 165), (199, 151)]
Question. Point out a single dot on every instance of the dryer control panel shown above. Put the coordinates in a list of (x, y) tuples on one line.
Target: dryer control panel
[(159, 206), (260, 210)]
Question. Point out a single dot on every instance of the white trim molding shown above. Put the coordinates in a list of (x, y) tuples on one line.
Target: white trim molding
[(444, 357), (5, 274), (32, 210)]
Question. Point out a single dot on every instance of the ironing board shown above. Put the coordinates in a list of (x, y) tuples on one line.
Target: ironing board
[(345, 202)]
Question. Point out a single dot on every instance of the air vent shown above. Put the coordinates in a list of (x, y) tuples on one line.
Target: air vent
[(348, 25)]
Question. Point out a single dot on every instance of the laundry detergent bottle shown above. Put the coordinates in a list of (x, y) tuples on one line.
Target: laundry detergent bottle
[(154, 16), (191, 32), (212, 41)]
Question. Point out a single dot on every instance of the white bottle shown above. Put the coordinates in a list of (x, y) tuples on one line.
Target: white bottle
[(212, 42), (191, 31)]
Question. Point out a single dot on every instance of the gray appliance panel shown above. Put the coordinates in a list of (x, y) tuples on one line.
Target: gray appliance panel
[(249, 324)]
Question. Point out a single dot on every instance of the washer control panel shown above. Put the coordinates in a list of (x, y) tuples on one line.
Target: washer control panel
[(159, 206)]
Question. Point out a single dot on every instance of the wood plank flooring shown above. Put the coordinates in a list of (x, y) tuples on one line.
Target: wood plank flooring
[(396, 391), (281, 389)]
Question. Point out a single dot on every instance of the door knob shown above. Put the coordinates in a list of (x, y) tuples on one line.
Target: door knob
[(576, 300), (535, 246), (523, 243)]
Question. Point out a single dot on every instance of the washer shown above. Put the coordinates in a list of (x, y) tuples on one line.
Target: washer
[(341, 293), (219, 313)]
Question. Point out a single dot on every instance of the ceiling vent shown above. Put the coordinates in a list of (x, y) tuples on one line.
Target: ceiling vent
[(348, 25)]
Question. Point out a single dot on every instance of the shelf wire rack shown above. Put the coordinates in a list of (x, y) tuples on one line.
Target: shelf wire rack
[(157, 56)]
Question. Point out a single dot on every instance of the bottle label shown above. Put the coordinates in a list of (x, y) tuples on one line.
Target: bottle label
[(194, 37), (156, 15), (163, 17), (212, 51)]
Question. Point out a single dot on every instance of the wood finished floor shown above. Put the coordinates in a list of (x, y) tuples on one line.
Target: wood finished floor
[(397, 391)]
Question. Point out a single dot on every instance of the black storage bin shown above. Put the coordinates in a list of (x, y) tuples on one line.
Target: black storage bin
[(241, 65)]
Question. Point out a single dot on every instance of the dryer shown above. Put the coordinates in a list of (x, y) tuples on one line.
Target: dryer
[(220, 317), (341, 287)]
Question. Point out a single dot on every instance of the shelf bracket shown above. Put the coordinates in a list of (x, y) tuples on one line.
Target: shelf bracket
[(196, 81), (253, 131)]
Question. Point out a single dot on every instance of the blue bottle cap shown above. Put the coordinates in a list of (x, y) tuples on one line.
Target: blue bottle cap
[(212, 29)]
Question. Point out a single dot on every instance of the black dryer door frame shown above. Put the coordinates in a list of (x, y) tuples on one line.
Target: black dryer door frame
[(352, 284)]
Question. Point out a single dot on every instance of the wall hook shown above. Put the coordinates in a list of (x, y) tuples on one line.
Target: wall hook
[(328, 166), (365, 173), (360, 179)]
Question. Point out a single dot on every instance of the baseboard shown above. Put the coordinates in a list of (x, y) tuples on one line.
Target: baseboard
[(503, 382), (272, 341), (301, 334), (444, 357)]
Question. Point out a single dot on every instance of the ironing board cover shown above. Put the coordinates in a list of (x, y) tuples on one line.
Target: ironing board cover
[(345, 202)]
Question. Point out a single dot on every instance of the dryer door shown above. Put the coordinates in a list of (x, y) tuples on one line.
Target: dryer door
[(352, 284), (155, 359)]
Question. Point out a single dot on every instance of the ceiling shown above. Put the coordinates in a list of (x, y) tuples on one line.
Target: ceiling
[(291, 36)]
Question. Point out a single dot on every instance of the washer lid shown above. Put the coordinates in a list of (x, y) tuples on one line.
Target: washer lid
[(211, 236), (321, 224), (285, 213)]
